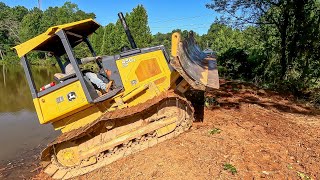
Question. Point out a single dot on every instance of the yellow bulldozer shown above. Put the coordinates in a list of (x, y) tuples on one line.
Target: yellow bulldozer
[(144, 106)]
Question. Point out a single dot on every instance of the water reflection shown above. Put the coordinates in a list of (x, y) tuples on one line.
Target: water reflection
[(19, 125), (15, 90)]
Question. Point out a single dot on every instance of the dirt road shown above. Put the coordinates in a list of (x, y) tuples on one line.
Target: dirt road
[(246, 133)]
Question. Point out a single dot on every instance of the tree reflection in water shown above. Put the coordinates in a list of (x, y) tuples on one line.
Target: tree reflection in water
[(20, 130)]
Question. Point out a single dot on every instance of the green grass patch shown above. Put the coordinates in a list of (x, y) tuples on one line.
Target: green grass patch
[(215, 131), (303, 176), (230, 168), (210, 101)]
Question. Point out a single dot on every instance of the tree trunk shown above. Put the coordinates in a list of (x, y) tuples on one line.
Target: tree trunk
[(4, 74), (103, 40), (283, 60), (1, 54), (283, 35)]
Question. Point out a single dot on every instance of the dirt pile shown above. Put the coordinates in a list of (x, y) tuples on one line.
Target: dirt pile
[(246, 133)]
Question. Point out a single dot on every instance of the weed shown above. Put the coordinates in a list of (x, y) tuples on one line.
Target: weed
[(215, 131), (230, 168), (210, 102), (235, 89), (303, 176)]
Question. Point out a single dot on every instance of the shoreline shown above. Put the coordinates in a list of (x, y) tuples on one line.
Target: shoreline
[(24, 166)]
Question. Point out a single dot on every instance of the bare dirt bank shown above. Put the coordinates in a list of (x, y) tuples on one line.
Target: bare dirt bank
[(252, 132)]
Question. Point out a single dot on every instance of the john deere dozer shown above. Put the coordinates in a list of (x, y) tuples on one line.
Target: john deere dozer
[(145, 106)]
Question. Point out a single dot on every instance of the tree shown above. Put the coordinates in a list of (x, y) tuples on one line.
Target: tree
[(288, 28), (111, 38), (220, 38), (31, 25), (69, 12), (162, 39), (138, 23), (97, 40), (10, 19), (111, 43)]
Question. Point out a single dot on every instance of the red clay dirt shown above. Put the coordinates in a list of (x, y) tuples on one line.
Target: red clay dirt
[(263, 135)]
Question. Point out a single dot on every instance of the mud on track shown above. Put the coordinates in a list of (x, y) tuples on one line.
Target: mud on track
[(263, 135)]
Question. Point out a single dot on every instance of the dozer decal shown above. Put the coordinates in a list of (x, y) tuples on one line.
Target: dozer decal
[(71, 96), (59, 99), (125, 62)]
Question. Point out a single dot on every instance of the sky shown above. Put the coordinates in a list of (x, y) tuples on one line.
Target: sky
[(164, 15)]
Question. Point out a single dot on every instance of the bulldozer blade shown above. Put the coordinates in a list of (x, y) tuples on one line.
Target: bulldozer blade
[(196, 67)]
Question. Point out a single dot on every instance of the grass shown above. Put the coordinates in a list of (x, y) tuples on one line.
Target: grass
[(215, 131), (290, 166), (230, 168), (210, 101), (303, 176)]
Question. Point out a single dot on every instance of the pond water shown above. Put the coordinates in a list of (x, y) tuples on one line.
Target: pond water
[(20, 129)]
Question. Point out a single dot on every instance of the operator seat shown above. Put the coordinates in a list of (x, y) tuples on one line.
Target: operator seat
[(60, 77)]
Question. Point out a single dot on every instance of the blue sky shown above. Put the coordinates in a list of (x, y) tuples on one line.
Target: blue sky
[(164, 15)]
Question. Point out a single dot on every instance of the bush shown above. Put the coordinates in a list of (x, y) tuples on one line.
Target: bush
[(234, 64)]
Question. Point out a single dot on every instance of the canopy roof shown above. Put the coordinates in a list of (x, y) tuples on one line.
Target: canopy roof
[(49, 41)]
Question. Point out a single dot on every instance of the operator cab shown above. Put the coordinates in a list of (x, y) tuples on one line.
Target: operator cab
[(71, 92), (60, 41)]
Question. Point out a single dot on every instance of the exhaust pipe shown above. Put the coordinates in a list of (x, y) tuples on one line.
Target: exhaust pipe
[(127, 30)]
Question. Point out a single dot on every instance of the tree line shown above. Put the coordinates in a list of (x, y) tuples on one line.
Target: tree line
[(18, 24), (278, 43), (274, 43)]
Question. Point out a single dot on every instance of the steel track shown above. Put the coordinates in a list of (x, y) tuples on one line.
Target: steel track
[(105, 156)]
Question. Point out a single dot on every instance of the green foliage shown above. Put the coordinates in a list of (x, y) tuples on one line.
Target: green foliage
[(303, 176), (210, 102), (110, 39), (26, 24), (281, 40), (10, 20), (138, 23), (215, 131), (273, 43), (97, 40), (230, 168), (236, 64), (162, 39), (221, 38), (165, 38), (20, 24), (31, 25)]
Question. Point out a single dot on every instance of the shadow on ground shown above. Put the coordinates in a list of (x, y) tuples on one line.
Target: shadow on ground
[(232, 95)]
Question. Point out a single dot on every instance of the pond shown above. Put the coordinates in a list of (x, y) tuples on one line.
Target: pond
[(20, 130)]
